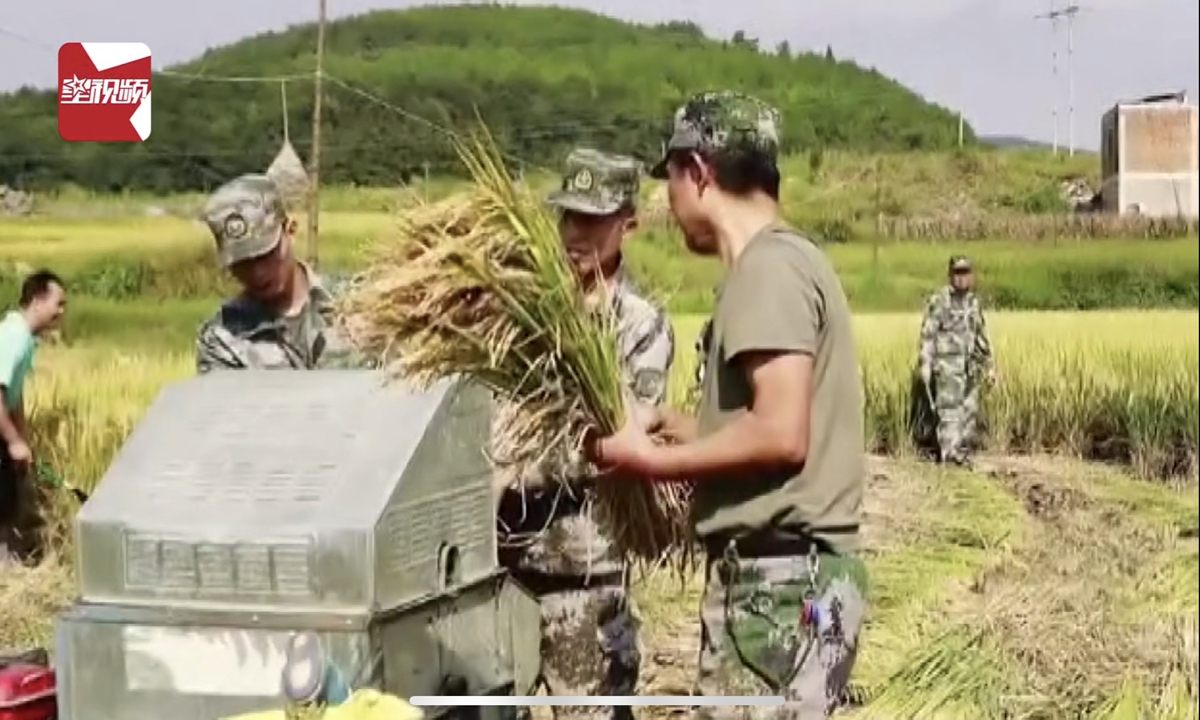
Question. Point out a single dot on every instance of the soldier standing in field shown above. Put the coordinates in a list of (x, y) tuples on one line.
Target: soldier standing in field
[(955, 358), (776, 455), (283, 318), (548, 537)]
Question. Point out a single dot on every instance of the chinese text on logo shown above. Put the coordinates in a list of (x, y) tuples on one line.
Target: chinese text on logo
[(104, 92)]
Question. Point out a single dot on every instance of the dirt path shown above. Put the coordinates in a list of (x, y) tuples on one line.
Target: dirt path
[(1058, 583)]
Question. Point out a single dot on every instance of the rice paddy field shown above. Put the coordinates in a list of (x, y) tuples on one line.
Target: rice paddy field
[(1057, 580)]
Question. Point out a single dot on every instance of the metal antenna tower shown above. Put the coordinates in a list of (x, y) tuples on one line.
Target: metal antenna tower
[(1067, 14)]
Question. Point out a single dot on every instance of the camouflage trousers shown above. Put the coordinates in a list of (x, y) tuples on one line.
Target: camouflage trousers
[(784, 626), (589, 624), (957, 410), (589, 640)]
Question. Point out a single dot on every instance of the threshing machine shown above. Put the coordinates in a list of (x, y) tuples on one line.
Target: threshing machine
[(247, 506)]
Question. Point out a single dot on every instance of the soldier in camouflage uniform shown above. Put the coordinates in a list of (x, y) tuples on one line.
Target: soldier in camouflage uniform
[(548, 537), (283, 318), (955, 358), (776, 453)]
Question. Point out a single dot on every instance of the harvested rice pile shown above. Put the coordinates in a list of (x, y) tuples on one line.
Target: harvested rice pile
[(477, 285)]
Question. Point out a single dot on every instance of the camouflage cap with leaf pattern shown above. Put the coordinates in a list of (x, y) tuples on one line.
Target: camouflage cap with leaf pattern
[(246, 217), (596, 183), (723, 120)]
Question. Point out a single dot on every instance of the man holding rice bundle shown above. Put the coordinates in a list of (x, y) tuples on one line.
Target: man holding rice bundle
[(283, 317), (548, 535), (776, 455)]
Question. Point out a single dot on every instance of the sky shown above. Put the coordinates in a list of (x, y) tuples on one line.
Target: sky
[(990, 59)]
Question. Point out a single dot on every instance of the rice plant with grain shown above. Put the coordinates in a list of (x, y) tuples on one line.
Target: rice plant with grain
[(477, 285), (1117, 387)]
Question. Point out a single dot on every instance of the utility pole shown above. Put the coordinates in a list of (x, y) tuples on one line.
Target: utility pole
[(314, 184), (1052, 16), (960, 129), (1068, 13)]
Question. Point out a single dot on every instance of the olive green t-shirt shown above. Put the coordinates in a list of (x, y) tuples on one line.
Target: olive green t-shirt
[(782, 295)]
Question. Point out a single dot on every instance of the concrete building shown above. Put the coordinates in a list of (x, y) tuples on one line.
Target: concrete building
[(1149, 157)]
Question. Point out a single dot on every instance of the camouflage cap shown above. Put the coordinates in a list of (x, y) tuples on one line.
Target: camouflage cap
[(723, 120), (596, 183), (246, 218), (960, 263)]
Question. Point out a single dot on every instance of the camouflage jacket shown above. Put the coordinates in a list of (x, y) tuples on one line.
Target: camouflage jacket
[(245, 335), (547, 526), (954, 334), (646, 343)]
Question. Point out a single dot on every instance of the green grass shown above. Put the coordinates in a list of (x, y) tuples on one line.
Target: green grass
[(166, 257), (834, 184), (858, 186), (165, 326)]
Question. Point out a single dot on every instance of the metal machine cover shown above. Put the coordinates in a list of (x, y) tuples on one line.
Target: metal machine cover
[(294, 490)]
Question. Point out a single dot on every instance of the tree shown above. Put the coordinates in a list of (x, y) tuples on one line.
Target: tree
[(740, 39), (542, 78)]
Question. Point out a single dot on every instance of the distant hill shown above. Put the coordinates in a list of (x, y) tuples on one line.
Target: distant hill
[(1013, 141), (1016, 142), (542, 78)]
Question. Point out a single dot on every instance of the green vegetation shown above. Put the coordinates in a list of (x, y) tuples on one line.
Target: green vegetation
[(1087, 275), (542, 78), (131, 258), (970, 182)]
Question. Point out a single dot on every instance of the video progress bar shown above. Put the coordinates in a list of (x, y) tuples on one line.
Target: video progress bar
[(622, 701)]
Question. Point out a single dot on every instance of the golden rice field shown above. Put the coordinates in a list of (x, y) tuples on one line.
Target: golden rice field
[(1038, 587), (1118, 386)]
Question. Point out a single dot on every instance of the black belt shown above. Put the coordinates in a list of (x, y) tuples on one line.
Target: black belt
[(779, 542)]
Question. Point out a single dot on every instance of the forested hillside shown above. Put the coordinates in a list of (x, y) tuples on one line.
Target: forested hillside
[(542, 78)]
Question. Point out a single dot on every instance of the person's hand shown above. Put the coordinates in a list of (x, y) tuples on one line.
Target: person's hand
[(625, 453), (926, 374), (993, 375), (20, 453)]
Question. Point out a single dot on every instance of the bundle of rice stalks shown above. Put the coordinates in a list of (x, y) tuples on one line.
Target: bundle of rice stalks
[(478, 285), (955, 675)]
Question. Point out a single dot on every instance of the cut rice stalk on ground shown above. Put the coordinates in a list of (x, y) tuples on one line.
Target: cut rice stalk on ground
[(478, 286)]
